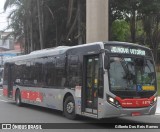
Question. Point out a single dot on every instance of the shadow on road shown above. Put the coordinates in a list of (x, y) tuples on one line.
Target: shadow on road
[(82, 119)]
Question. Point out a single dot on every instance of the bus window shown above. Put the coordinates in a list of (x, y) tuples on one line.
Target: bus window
[(74, 71), (59, 71), (49, 72)]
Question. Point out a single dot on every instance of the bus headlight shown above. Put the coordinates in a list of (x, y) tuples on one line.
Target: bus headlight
[(153, 101), (113, 101)]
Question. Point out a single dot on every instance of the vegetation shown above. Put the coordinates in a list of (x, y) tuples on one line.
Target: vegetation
[(48, 23), (39, 24), (143, 19), (158, 81)]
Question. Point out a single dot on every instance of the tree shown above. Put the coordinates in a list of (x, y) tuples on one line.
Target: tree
[(150, 14), (120, 30), (47, 23), (143, 18), (127, 10)]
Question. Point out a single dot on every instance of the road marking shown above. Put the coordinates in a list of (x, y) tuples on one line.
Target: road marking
[(3, 100), (1, 89)]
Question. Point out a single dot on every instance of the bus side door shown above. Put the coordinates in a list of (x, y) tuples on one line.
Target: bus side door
[(90, 87)]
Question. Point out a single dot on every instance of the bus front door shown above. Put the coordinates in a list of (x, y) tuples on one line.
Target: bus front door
[(90, 88)]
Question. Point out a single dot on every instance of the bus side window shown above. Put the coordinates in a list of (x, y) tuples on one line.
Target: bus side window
[(49, 72), (20, 73), (60, 71), (54, 69), (73, 71), (38, 70)]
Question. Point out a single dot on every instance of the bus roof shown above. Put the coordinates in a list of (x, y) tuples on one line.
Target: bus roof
[(125, 43), (62, 49), (49, 52)]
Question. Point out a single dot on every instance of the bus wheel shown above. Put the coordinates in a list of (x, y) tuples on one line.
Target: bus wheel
[(69, 108), (18, 98)]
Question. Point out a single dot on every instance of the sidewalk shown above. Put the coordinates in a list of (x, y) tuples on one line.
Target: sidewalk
[(158, 106)]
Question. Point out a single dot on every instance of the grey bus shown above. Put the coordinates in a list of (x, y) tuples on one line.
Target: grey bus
[(98, 80)]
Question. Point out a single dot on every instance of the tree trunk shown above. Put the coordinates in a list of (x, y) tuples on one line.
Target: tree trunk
[(79, 23), (31, 34), (26, 41), (133, 27), (40, 24)]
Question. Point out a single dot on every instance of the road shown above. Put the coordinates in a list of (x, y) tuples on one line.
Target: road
[(10, 113)]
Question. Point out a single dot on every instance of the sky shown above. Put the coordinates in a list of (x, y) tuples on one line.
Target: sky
[(3, 16)]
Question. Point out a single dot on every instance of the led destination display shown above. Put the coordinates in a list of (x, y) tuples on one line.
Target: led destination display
[(128, 51)]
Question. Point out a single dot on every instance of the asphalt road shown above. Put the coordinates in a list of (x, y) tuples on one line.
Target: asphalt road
[(10, 113)]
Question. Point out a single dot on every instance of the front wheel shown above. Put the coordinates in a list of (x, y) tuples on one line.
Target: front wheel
[(69, 108), (18, 98)]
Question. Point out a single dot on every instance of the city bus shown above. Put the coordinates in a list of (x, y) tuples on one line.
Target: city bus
[(97, 80)]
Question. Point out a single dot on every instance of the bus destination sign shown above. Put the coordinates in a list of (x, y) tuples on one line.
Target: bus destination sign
[(125, 50)]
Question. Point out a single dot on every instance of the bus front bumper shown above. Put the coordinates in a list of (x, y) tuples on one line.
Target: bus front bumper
[(107, 110)]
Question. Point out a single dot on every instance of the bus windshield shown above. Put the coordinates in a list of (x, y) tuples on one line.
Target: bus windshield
[(131, 74)]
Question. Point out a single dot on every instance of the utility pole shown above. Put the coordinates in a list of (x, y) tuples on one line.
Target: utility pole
[(97, 20)]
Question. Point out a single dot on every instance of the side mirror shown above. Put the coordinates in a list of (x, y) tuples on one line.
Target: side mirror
[(106, 61)]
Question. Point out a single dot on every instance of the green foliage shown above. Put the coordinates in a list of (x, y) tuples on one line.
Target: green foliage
[(120, 30), (158, 81), (56, 22), (143, 19), (129, 20), (140, 34), (149, 13)]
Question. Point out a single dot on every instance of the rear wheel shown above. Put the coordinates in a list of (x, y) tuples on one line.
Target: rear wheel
[(18, 98), (69, 108)]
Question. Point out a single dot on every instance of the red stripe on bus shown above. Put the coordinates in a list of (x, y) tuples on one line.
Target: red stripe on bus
[(135, 103), (32, 95), (13, 93), (5, 91)]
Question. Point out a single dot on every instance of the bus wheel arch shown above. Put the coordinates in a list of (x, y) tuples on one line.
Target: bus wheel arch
[(69, 106), (18, 97)]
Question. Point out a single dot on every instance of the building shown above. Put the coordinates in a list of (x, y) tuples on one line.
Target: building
[(8, 47)]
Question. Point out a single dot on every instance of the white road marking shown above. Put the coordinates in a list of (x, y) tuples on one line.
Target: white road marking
[(1, 89), (3, 100)]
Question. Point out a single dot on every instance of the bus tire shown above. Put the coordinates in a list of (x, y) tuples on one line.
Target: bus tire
[(69, 108), (18, 98)]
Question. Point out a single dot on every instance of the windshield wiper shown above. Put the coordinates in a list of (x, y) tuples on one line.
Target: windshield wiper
[(128, 74)]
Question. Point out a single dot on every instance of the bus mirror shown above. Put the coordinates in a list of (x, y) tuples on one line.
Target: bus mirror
[(106, 61)]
